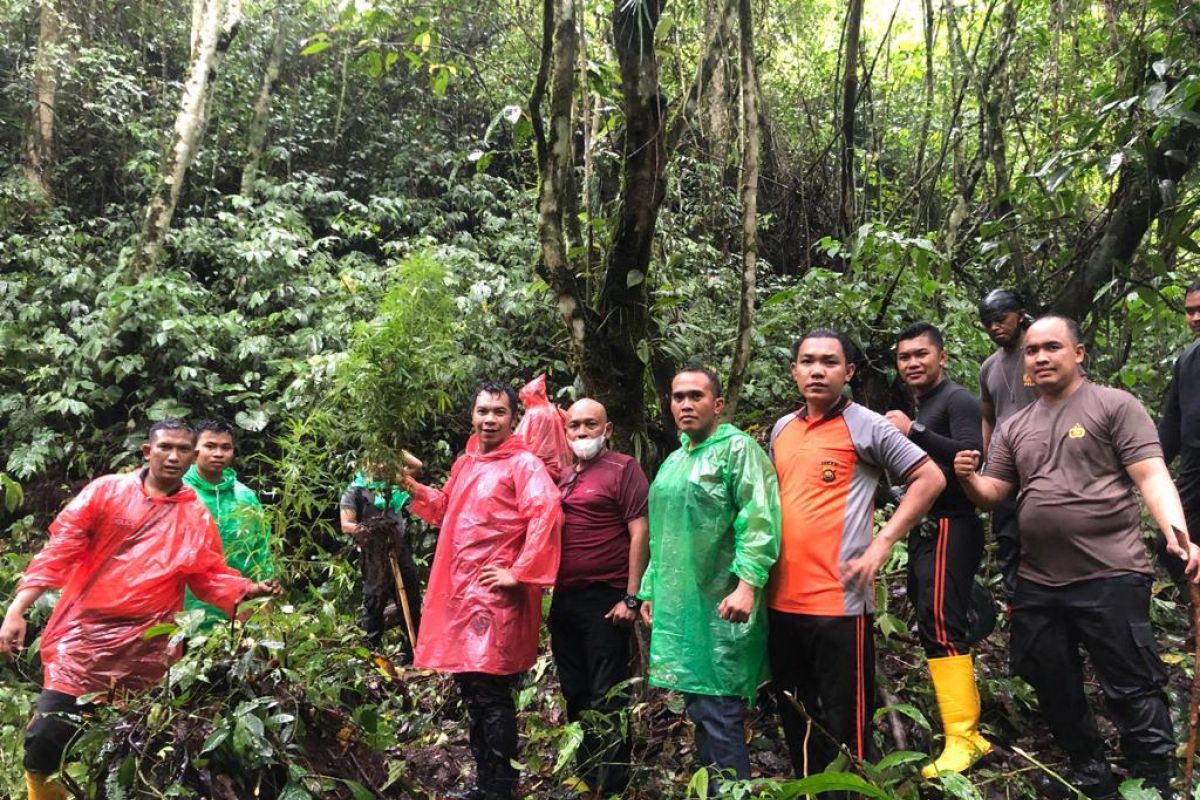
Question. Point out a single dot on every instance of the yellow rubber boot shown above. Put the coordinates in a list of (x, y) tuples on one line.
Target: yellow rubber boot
[(41, 788), (958, 702)]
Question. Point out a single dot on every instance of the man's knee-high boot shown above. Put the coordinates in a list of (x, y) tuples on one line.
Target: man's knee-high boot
[(958, 702), (41, 788)]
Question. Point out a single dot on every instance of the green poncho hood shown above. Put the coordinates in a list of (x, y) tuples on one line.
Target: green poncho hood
[(388, 496), (714, 518)]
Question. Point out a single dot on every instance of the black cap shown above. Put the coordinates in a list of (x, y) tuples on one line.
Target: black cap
[(999, 302)]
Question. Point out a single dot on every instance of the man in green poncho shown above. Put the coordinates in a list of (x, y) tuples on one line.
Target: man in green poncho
[(714, 534), (245, 537)]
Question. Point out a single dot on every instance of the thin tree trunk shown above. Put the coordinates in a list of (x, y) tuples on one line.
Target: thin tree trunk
[(554, 155), (750, 170), (40, 152), (262, 105), (189, 128), (341, 104), (717, 102), (846, 212), (921, 217)]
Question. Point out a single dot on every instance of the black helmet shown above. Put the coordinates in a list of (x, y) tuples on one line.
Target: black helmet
[(999, 302)]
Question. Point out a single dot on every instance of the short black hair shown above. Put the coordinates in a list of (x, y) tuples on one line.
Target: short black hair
[(1194, 286), (170, 424), (714, 381), (1073, 327), (489, 386), (918, 329), (214, 426), (849, 349)]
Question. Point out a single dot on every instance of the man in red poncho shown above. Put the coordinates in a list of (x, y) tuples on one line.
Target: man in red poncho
[(498, 549), (122, 552)]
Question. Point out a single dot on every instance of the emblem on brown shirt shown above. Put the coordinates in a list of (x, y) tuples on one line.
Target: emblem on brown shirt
[(1077, 431)]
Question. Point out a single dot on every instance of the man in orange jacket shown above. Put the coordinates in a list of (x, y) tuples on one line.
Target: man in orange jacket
[(122, 552)]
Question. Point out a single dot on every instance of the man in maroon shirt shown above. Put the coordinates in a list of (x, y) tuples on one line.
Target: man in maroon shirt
[(605, 548)]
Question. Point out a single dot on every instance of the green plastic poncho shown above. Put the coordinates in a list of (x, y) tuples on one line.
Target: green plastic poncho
[(244, 534), (714, 518)]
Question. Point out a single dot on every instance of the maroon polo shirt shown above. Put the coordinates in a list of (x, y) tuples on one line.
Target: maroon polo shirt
[(598, 504)]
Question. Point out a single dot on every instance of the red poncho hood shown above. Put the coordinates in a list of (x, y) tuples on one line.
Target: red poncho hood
[(543, 428)]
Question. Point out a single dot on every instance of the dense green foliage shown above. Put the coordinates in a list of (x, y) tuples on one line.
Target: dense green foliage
[(387, 259)]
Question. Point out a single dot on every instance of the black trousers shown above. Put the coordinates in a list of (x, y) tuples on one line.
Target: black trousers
[(385, 537), (1109, 618), (493, 730), (943, 557), (1008, 545), (828, 665), (55, 724), (592, 656)]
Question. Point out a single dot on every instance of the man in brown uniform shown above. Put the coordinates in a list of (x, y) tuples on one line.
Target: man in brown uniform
[(1084, 576), (1004, 389)]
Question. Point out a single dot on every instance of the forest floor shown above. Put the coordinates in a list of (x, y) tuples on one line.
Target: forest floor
[(291, 706)]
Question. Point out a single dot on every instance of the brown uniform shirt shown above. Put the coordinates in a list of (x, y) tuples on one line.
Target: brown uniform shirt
[(1004, 384), (1078, 515)]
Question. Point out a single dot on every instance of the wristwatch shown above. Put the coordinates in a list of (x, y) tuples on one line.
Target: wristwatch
[(916, 427), (632, 602)]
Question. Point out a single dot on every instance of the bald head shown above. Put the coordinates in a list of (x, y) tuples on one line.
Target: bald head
[(587, 408), (1054, 355), (587, 428)]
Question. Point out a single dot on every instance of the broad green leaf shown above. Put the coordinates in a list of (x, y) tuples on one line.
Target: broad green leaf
[(901, 757), (830, 782), (910, 711)]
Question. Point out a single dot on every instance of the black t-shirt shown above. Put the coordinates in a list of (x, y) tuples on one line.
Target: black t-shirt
[(951, 417)]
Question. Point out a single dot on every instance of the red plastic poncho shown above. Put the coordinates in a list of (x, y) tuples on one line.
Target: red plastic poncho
[(543, 428), (122, 559), (497, 508)]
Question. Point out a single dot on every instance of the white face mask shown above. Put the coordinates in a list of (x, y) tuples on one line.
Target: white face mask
[(587, 449)]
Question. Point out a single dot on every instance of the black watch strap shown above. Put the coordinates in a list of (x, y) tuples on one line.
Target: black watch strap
[(632, 601)]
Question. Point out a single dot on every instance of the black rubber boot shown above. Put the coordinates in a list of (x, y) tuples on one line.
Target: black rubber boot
[(1155, 774), (1092, 779)]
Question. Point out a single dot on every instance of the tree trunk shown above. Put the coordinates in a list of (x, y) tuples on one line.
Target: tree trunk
[(846, 211), (717, 105), (750, 169), (714, 51), (610, 329), (262, 106), (614, 372), (40, 151), (554, 155), (207, 41), (920, 221)]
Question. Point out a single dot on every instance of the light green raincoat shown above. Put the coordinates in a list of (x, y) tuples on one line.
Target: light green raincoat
[(714, 518), (244, 534)]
